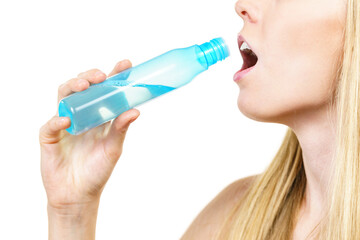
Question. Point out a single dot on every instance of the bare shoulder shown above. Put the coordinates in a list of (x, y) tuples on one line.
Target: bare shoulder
[(210, 219)]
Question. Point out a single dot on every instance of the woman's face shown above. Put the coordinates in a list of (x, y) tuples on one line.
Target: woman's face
[(299, 47)]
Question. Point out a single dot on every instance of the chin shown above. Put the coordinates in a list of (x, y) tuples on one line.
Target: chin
[(260, 112), (249, 109)]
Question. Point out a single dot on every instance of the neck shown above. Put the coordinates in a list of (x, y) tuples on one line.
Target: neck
[(316, 134)]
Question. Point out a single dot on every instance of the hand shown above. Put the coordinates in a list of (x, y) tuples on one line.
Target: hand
[(75, 169)]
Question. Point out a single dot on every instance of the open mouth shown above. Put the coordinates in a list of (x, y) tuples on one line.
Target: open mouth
[(249, 57)]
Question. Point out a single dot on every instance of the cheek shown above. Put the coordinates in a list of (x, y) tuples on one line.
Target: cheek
[(273, 94)]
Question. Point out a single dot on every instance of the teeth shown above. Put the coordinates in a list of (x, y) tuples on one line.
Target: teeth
[(244, 46), (246, 49)]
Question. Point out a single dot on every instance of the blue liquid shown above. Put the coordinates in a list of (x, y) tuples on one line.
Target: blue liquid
[(103, 102)]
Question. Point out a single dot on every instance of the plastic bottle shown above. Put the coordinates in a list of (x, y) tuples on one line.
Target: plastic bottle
[(104, 101)]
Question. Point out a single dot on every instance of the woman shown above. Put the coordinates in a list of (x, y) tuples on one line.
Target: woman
[(306, 77)]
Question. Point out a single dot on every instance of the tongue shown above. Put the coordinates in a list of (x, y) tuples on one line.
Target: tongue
[(250, 59)]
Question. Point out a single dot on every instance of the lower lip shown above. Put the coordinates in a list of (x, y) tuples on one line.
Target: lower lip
[(241, 74)]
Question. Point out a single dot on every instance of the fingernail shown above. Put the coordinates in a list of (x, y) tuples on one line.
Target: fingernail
[(99, 74), (119, 64), (61, 121)]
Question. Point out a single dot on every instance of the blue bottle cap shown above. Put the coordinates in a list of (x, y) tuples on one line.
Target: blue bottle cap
[(215, 50)]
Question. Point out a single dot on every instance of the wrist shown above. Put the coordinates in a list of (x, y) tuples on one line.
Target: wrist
[(72, 221), (71, 209)]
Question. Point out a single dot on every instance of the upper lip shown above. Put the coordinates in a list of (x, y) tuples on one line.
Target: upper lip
[(241, 39)]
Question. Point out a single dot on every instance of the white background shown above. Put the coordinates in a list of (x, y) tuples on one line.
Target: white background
[(184, 148)]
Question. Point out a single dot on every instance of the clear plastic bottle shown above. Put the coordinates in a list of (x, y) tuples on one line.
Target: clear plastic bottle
[(104, 101)]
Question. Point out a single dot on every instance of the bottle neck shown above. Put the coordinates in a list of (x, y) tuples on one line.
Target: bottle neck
[(214, 51)]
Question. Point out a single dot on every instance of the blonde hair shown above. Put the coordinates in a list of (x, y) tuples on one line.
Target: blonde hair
[(270, 206)]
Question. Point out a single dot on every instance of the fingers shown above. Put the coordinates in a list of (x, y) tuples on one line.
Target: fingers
[(85, 79), (50, 132), (121, 66), (115, 138), (80, 83), (73, 85), (93, 76)]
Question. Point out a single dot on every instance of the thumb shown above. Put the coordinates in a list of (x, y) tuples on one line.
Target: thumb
[(50, 132), (116, 135)]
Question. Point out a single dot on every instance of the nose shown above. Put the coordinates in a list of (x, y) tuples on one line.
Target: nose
[(247, 11)]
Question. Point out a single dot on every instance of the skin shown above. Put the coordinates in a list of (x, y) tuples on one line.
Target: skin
[(75, 169), (299, 46)]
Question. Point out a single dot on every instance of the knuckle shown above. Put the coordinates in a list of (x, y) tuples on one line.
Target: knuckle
[(88, 74), (72, 81), (63, 88), (93, 71)]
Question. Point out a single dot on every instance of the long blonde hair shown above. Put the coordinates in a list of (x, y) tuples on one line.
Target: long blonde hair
[(269, 208)]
